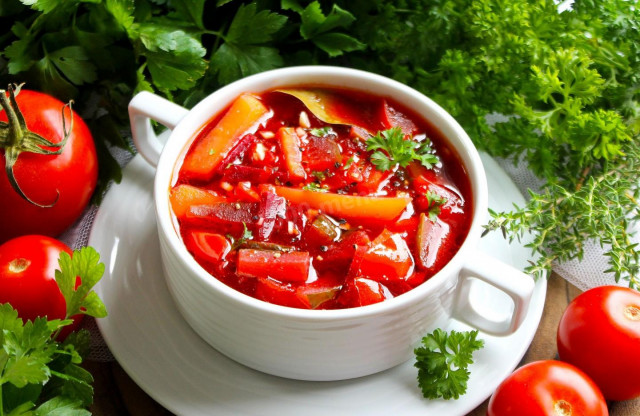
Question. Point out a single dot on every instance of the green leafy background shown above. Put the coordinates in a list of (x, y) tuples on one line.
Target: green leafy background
[(566, 83)]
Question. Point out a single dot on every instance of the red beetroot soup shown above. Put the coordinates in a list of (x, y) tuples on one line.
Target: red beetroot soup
[(293, 210)]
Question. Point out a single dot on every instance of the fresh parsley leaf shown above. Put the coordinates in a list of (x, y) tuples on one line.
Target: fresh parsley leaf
[(73, 62), (435, 204), (231, 62), (442, 363), (253, 27), (29, 349), (84, 264), (174, 57), (61, 405), (244, 51), (320, 28), (398, 151), (189, 11)]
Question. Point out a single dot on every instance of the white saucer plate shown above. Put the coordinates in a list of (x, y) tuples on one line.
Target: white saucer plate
[(167, 359)]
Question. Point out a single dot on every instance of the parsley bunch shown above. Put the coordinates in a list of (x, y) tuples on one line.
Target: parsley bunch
[(442, 361), (39, 375)]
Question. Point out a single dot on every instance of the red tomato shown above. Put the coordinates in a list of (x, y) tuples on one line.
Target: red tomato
[(70, 176), (599, 332), (547, 388), (27, 278)]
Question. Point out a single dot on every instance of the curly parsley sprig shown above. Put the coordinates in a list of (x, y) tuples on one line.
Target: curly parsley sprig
[(392, 149), (442, 363)]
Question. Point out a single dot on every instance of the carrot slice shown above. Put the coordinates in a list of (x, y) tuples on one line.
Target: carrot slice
[(290, 146), (347, 206), (183, 196), (242, 117)]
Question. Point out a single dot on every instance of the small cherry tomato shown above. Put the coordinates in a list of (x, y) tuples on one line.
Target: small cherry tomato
[(599, 332), (56, 187), (547, 388), (27, 278)]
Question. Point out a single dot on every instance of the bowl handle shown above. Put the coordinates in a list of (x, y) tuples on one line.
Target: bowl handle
[(517, 285), (145, 107)]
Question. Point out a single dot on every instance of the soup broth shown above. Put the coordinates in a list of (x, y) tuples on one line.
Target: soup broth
[(321, 198)]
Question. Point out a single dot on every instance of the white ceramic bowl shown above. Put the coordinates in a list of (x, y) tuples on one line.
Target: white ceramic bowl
[(318, 344)]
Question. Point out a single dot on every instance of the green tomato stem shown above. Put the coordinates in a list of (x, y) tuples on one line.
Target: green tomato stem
[(15, 138)]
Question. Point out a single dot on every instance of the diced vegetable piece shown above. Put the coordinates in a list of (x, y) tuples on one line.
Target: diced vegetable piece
[(280, 293), (238, 150), (361, 291), (354, 173), (286, 267), (322, 153), (234, 212), (290, 146), (430, 238), (244, 115), (319, 292), (388, 258), (425, 181), (323, 230), (208, 246), (372, 178), (359, 133), (344, 251), (272, 206), (391, 117), (182, 197), (245, 192), (347, 206), (241, 173)]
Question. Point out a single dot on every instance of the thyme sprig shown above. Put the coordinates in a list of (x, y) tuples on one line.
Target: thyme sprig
[(603, 207)]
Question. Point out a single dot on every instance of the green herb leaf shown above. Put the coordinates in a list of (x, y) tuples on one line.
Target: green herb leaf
[(442, 363), (232, 62), (435, 204), (243, 52), (84, 264), (73, 62), (61, 405), (174, 57), (315, 187), (398, 151), (319, 28)]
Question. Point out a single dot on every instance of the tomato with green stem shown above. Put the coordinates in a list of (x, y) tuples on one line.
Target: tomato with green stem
[(599, 332), (547, 388), (27, 278), (50, 164)]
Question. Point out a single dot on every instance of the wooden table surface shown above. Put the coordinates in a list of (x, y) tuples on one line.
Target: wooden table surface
[(117, 394)]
